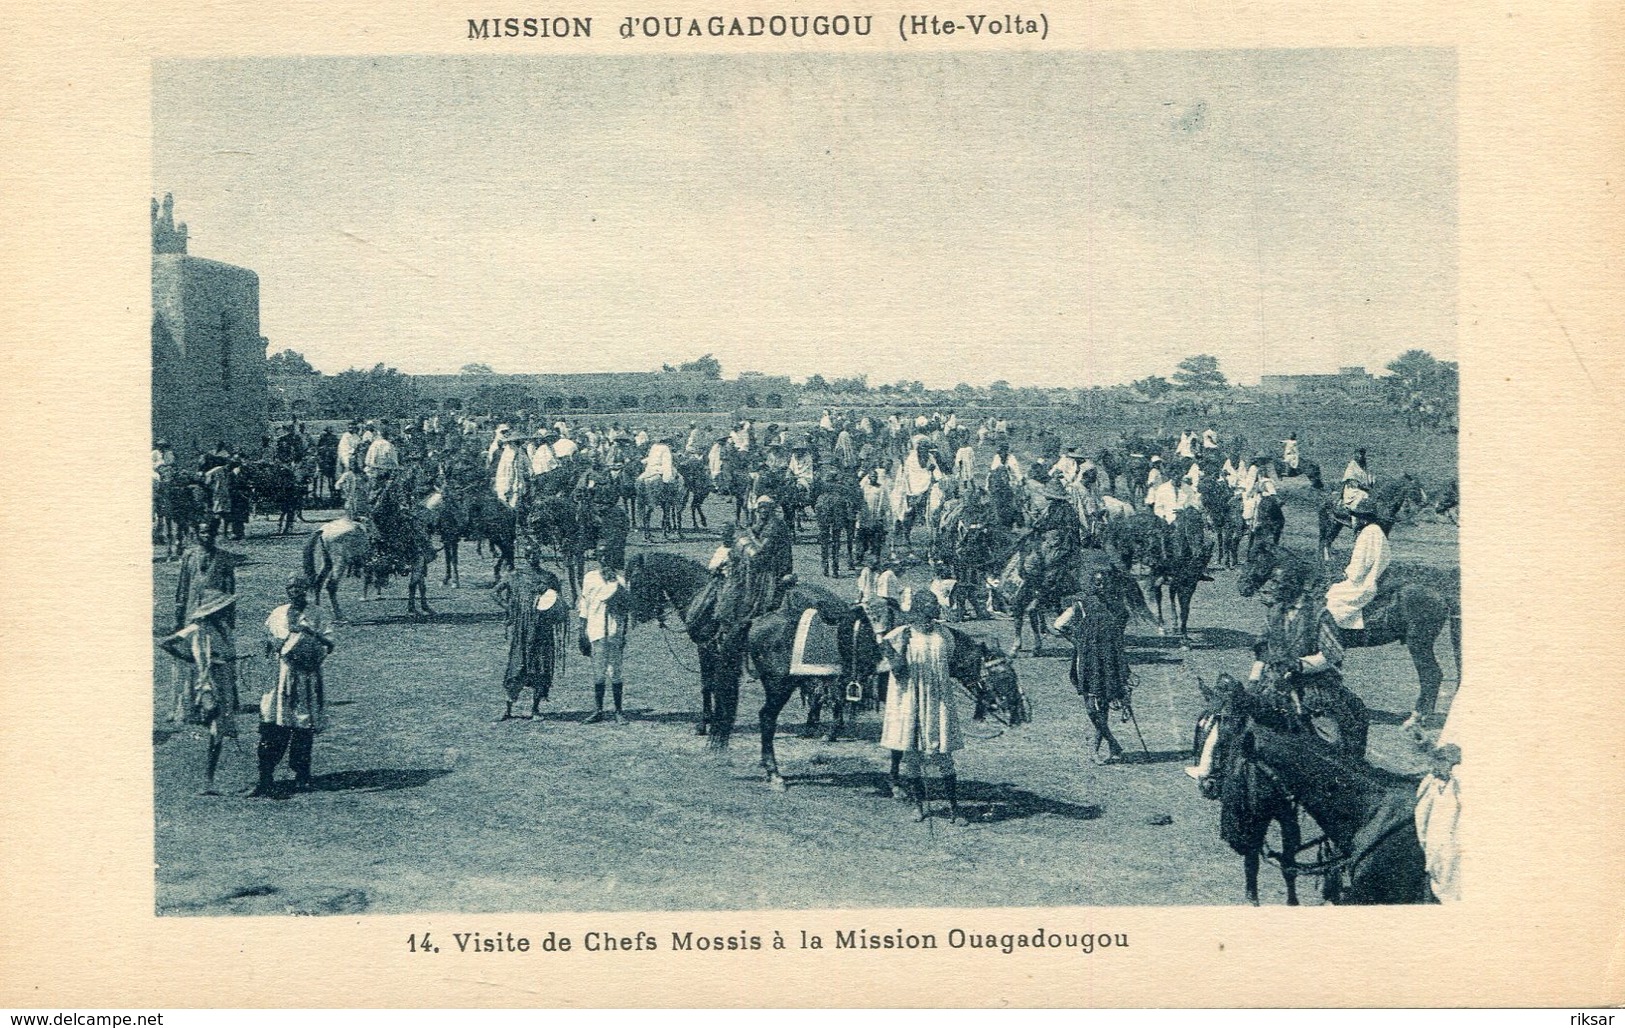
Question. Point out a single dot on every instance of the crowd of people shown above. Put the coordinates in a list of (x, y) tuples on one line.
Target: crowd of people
[(901, 470)]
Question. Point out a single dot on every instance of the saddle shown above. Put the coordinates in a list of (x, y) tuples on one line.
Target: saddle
[(816, 649)]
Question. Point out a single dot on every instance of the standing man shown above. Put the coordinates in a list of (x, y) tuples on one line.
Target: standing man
[(536, 624), (348, 444), (300, 638), (1099, 660), (1289, 451), (965, 463), (208, 642), (921, 725), (602, 624)]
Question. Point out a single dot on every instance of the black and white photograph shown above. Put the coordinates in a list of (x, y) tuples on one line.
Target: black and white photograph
[(806, 481)]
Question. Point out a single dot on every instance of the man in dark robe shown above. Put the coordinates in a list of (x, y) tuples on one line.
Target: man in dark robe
[(1100, 660), (537, 617)]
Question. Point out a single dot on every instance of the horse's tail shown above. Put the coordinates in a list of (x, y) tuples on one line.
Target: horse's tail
[(1133, 598), (311, 545)]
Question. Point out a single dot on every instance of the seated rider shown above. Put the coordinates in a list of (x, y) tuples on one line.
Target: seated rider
[(1299, 658)]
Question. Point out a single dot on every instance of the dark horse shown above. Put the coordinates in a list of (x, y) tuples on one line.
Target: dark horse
[(697, 484), (1392, 498), (1305, 469), (836, 511), (1414, 603), (1263, 768), (666, 581)]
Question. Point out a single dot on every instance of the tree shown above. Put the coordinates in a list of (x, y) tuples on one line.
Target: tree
[(1198, 373), (476, 369), (706, 367), (816, 384), (1001, 387), (289, 362), (1423, 388), (380, 392), (1152, 386), (855, 384), (964, 389), (499, 398)]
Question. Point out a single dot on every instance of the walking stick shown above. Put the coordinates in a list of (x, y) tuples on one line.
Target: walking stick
[(1128, 709)]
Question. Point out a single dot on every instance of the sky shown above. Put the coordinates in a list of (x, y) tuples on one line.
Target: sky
[(1067, 219)]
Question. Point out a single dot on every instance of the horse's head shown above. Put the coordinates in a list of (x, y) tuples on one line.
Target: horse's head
[(1000, 684), (1221, 729)]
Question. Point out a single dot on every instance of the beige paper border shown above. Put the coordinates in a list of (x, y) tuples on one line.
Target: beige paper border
[(1543, 381)]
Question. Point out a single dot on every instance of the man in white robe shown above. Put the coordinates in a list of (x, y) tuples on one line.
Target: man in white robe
[(658, 464), (1164, 500), (495, 449), (349, 442), (1346, 600), (1357, 480), (542, 458), (512, 474)]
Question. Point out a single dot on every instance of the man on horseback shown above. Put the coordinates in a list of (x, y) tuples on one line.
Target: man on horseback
[(1358, 481), (1346, 600), (1289, 451), (772, 557), (1299, 659)]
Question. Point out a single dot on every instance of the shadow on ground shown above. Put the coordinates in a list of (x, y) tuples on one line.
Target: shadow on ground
[(985, 802)]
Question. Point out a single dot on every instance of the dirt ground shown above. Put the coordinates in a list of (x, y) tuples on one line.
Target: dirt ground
[(422, 802)]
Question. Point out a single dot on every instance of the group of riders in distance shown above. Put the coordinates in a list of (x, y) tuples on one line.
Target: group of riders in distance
[(1059, 538)]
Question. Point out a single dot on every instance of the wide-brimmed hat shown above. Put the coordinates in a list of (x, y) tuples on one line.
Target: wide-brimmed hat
[(765, 501), (213, 601), (1072, 451)]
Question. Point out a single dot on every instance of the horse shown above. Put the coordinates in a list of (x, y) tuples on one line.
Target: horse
[(1252, 802), (772, 636), (1223, 509), (1253, 761), (1391, 498), (1306, 469), (180, 510), (836, 514), (1413, 604), (974, 552), (661, 582), (698, 486), (365, 547), (666, 497), (277, 488), (1037, 594), (1189, 551), (1139, 546), (490, 520), (734, 479), (1269, 521), (563, 522)]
